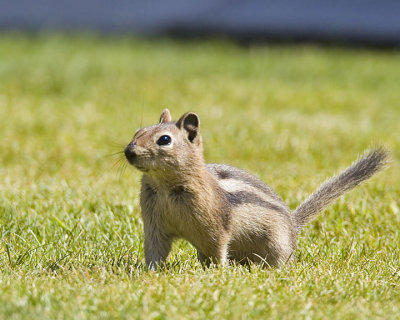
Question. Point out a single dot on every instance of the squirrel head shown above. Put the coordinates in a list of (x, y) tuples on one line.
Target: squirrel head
[(168, 146)]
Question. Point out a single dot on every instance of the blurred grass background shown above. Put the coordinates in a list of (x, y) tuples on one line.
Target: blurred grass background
[(70, 228)]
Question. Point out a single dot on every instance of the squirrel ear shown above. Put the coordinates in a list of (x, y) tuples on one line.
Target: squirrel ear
[(191, 123), (165, 116)]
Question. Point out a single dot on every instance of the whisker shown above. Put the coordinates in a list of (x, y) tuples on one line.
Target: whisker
[(124, 166), (120, 165), (118, 162), (122, 169), (116, 153), (110, 155)]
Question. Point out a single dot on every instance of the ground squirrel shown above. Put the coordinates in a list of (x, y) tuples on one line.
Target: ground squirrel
[(224, 212)]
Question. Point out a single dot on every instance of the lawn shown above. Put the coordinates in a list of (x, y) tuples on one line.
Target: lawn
[(71, 238)]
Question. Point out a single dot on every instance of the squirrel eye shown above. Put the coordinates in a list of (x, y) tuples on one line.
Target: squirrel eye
[(164, 140)]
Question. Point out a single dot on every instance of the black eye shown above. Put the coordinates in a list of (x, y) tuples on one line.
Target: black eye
[(164, 140)]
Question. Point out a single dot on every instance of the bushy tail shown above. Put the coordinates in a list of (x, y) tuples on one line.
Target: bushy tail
[(365, 167)]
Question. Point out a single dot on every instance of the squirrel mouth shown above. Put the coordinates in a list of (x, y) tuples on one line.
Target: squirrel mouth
[(133, 159), (130, 155), (141, 168), (137, 166)]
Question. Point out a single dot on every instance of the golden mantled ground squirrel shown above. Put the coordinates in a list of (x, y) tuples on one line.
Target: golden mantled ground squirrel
[(224, 212)]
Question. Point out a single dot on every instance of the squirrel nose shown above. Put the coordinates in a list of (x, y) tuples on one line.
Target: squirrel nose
[(130, 152)]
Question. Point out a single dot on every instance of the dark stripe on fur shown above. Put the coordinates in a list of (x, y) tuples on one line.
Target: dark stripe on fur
[(242, 197), (228, 172)]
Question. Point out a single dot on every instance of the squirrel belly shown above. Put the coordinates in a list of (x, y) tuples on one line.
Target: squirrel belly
[(224, 212)]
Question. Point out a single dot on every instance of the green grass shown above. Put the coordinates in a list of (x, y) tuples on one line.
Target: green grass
[(70, 227)]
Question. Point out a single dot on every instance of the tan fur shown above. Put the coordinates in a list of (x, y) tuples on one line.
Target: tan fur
[(224, 212)]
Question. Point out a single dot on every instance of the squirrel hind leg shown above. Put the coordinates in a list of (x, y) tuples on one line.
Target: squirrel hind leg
[(220, 257)]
